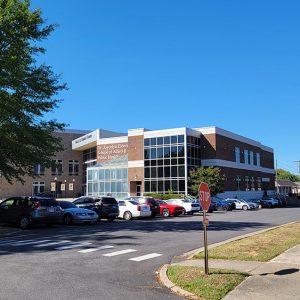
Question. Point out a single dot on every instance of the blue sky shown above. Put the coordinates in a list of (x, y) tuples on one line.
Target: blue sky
[(162, 64)]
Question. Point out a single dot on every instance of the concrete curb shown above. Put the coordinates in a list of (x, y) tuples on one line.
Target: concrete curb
[(163, 277), (192, 253)]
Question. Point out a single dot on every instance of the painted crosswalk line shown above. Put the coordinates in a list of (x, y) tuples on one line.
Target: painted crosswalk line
[(145, 257), (72, 246), (119, 252), (51, 244), (89, 250), (29, 243)]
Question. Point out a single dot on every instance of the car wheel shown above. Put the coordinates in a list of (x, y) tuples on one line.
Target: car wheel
[(24, 222), (244, 207), (184, 211), (111, 219), (190, 213), (127, 215), (68, 220), (166, 213)]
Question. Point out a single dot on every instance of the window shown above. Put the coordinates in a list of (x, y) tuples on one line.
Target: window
[(73, 167), (246, 157), (258, 159), (247, 183), (57, 166), (238, 182), (39, 169), (251, 158), (237, 155), (38, 187)]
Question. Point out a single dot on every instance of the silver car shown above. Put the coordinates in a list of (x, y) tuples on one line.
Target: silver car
[(73, 214)]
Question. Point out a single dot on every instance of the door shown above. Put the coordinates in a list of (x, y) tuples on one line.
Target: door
[(138, 189), (7, 211)]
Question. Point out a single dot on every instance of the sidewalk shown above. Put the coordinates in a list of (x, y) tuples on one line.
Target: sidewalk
[(276, 279)]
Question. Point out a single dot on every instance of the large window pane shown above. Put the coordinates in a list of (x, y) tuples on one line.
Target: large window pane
[(174, 185), (160, 186), (181, 151), (147, 186), (174, 151), (107, 175), (113, 187), (167, 152), (154, 186), (101, 174), (153, 153), (153, 172), (167, 140), (153, 142), (160, 172), (146, 142), (90, 175), (119, 173), (174, 171), (167, 162), (181, 171), (147, 172), (146, 153), (113, 174), (124, 173), (160, 152), (181, 185), (174, 139), (160, 140), (180, 139), (107, 187), (167, 185), (167, 171), (160, 162)]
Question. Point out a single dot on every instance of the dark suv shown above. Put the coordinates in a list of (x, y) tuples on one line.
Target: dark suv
[(25, 211), (105, 207), (154, 206)]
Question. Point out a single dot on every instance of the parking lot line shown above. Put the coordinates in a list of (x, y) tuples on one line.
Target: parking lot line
[(29, 243), (119, 252), (72, 246), (145, 257), (95, 249), (51, 244)]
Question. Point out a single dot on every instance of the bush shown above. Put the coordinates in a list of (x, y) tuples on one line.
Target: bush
[(164, 196)]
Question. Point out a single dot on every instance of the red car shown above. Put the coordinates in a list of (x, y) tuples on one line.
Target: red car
[(167, 210)]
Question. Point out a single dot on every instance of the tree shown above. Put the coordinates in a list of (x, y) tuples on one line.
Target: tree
[(27, 91), (286, 175), (212, 176)]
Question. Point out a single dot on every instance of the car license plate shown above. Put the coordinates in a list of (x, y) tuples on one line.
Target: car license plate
[(51, 209)]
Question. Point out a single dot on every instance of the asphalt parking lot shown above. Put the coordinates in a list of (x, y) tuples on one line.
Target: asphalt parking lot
[(114, 260)]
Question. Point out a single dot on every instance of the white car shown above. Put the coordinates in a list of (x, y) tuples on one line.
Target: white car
[(131, 209), (241, 204), (189, 206)]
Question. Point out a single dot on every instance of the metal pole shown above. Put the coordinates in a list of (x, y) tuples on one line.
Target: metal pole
[(205, 244)]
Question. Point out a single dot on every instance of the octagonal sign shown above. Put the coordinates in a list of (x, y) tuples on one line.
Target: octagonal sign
[(204, 196)]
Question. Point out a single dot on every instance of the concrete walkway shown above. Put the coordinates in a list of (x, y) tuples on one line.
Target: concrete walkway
[(276, 279)]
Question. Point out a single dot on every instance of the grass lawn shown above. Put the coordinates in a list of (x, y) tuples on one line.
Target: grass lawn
[(213, 286), (260, 247)]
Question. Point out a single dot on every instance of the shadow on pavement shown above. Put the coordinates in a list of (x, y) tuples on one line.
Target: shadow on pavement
[(283, 272)]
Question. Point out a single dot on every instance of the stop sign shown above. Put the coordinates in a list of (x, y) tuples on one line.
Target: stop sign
[(204, 196)]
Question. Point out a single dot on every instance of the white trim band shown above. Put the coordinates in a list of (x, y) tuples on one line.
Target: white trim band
[(135, 164), (234, 165)]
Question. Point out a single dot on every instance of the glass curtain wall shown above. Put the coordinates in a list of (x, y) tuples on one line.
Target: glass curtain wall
[(164, 159), (108, 180)]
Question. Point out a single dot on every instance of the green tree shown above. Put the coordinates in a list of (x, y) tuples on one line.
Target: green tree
[(27, 92), (286, 175), (212, 176)]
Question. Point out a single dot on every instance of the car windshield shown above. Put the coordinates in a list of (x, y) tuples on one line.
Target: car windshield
[(186, 201), (65, 204)]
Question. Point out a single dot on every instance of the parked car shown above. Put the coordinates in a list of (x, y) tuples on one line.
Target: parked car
[(222, 205), (105, 207), (167, 210), (241, 204), (73, 214), (154, 207), (269, 202), (189, 207), (26, 211), (255, 202), (282, 201), (132, 209)]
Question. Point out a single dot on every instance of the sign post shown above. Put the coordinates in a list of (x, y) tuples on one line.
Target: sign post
[(204, 199)]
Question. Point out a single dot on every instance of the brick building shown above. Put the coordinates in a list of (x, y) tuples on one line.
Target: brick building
[(105, 162)]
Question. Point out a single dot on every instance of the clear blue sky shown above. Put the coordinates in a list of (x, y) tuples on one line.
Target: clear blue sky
[(167, 63)]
